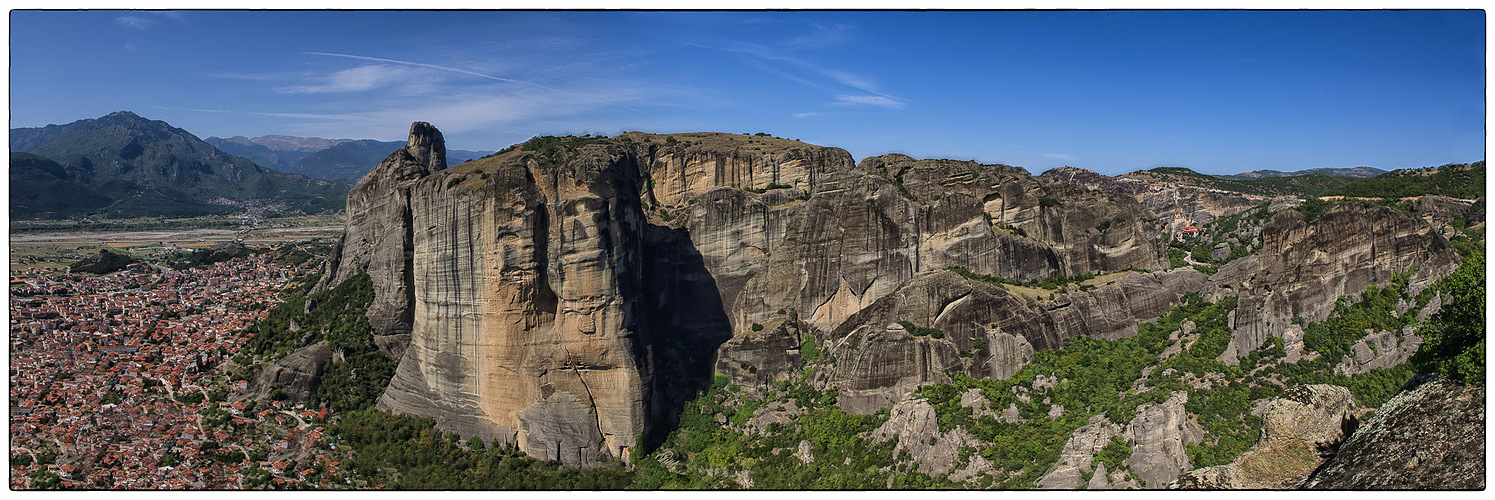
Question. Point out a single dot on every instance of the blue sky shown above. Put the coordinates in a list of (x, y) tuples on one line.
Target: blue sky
[(1112, 91)]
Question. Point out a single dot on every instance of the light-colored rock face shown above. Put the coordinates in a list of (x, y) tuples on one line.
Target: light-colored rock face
[(378, 235), (914, 424), (1009, 353), (1381, 350), (680, 174), (1159, 432), (1314, 414), (1077, 457), (1296, 426), (522, 327)]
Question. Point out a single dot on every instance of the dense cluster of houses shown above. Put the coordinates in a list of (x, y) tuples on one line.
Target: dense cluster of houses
[(113, 377)]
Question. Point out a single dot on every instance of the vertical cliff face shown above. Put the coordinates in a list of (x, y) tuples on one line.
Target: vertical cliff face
[(526, 302), (568, 295), (1305, 267), (378, 236)]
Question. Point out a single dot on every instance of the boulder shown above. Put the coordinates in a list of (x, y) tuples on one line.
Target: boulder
[(296, 375), (1429, 436)]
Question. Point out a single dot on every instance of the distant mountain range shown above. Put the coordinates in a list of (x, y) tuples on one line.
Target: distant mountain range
[(330, 159), (123, 165), (1357, 172)]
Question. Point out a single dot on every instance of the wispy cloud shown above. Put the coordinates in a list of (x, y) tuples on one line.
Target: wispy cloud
[(135, 22), (1060, 157), (842, 78), (461, 71), (821, 36), (364, 78), (147, 20), (807, 114), (263, 77), (871, 100)]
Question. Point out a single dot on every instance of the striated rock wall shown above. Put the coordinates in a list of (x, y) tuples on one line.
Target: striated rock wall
[(377, 238), (1304, 268), (879, 362), (525, 326), (1159, 432)]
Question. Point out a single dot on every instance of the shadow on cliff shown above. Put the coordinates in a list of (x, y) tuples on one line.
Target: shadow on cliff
[(687, 324)]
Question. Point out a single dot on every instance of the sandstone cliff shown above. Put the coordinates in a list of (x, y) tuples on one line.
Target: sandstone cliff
[(1297, 428), (378, 237), (568, 295), (1305, 267)]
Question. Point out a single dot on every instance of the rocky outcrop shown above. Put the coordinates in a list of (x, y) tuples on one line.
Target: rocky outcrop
[(1381, 350), (1159, 432), (569, 294), (879, 362), (1006, 353), (379, 236), (543, 306), (1076, 458), (1304, 268), (292, 378), (1429, 436), (914, 425), (1297, 427), (755, 360), (1191, 206)]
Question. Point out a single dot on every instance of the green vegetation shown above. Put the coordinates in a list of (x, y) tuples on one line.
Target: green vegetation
[(1375, 312), (1312, 208), (702, 453), (548, 146), (1049, 283), (1115, 453), (351, 382), (206, 257), (296, 254), (771, 186), (403, 452), (920, 331), (144, 167), (1295, 185), (1456, 180), (1176, 258), (104, 263), (1454, 338), (808, 351)]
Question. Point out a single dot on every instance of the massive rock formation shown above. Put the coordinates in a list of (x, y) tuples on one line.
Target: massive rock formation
[(568, 295), (379, 236), (1078, 454), (1305, 267), (1297, 427), (1160, 432), (1430, 436)]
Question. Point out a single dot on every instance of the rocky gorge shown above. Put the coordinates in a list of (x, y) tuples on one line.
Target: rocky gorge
[(574, 297)]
